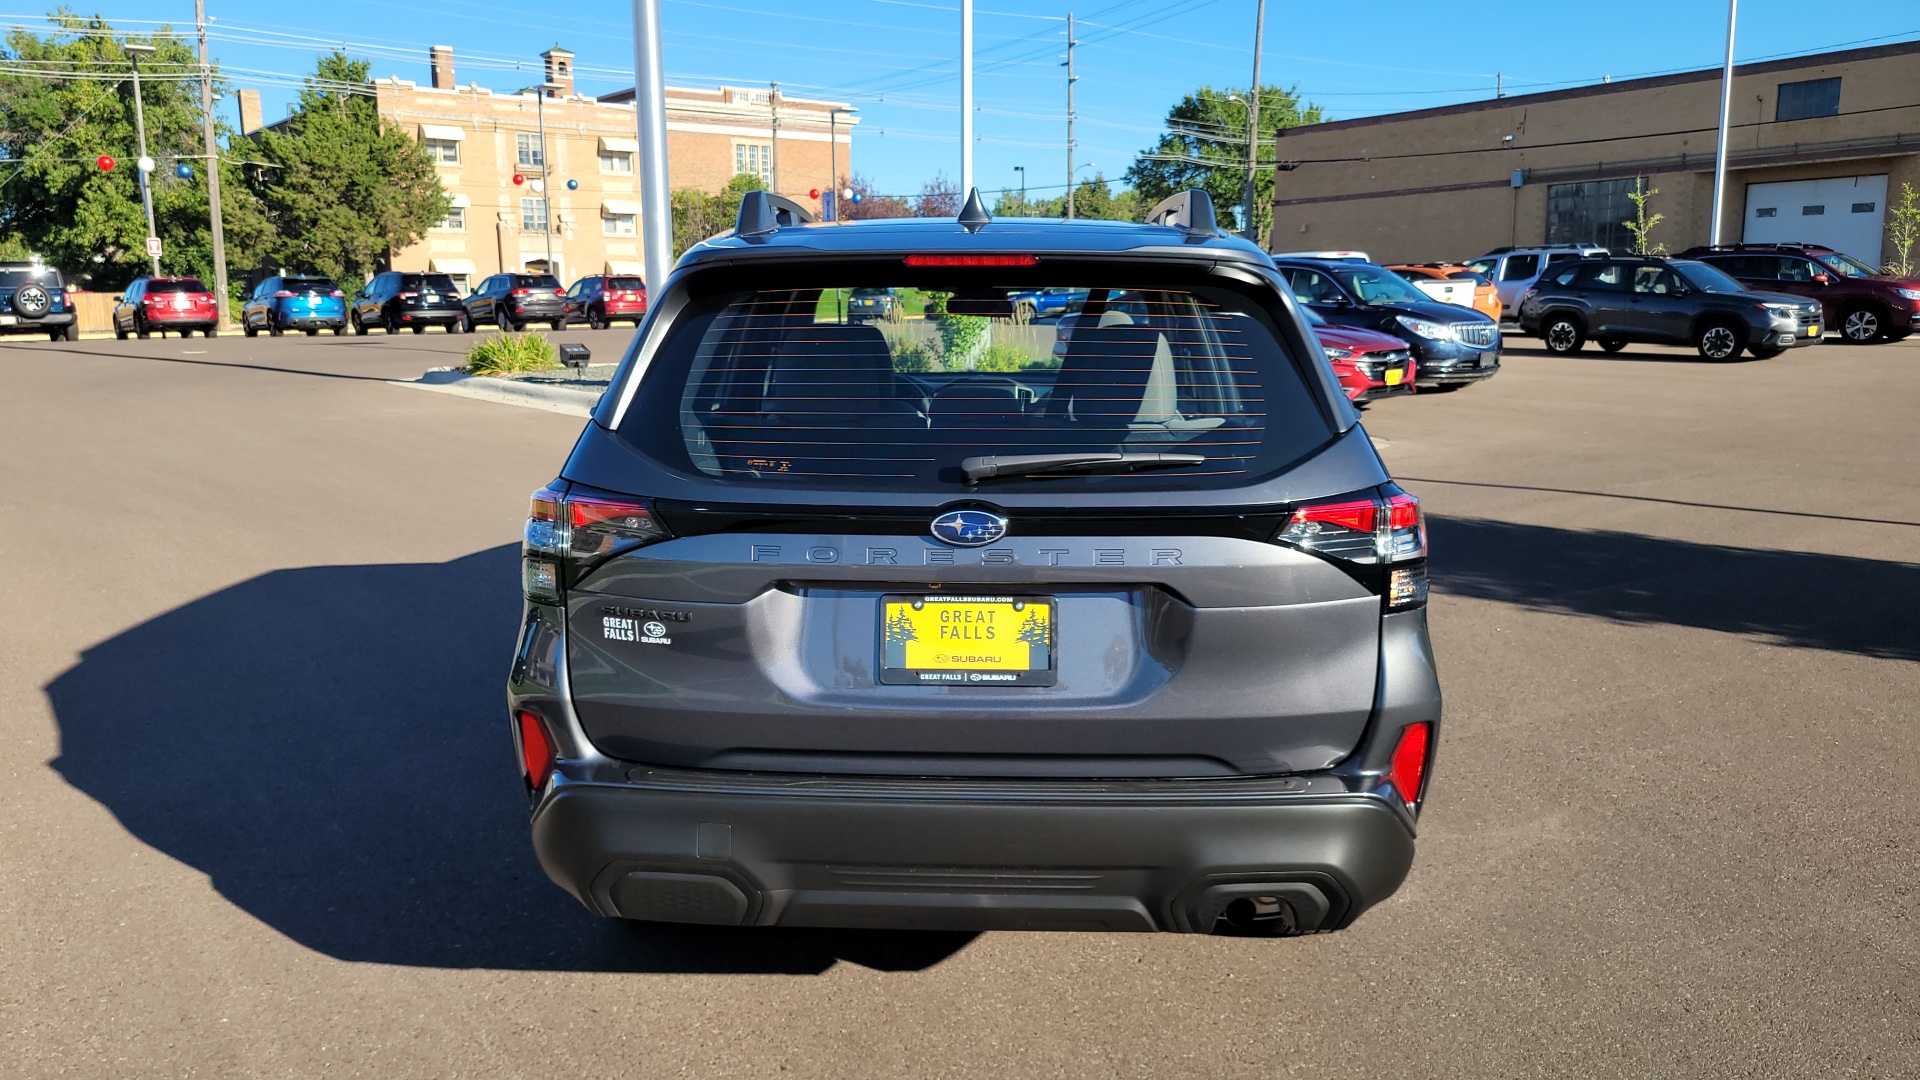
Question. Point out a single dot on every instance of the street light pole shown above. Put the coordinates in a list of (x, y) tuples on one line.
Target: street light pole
[(1022, 170), (213, 168), (773, 145), (966, 97), (833, 158), (1071, 79), (546, 189), (1720, 148), (145, 164), (1252, 230), (650, 117)]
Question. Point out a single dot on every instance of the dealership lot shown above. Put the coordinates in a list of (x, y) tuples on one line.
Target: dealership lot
[(245, 831)]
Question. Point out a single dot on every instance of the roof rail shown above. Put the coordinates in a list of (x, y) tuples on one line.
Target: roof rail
[(974, 216), (1191, 210), (762, 212)]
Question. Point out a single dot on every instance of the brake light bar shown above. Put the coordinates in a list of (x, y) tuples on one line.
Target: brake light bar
[(574, 532), (973, 260)]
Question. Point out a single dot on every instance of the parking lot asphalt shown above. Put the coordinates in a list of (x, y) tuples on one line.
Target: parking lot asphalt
[(259, 816)]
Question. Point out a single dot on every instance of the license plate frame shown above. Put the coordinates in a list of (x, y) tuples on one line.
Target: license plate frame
[(998, 650)]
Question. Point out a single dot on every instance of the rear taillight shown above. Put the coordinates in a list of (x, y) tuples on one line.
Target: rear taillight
[(1380, 529), (283, 295), (536, 750), (522, 292), (559, 292), (566, 536), (1409, 768), (337, 295), (408, 295)]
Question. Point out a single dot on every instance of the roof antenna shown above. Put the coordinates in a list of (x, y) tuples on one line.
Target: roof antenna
[(974, 216)]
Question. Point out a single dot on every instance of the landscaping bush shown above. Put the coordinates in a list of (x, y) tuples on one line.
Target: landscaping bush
[(913, 357), (1001, 357), (512, 354)]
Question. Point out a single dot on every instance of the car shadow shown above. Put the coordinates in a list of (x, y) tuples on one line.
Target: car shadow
[(1795, 598), (329, 746)]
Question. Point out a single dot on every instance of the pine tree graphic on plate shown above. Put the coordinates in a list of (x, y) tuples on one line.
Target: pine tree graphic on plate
[(1038, 637), (899, 632)]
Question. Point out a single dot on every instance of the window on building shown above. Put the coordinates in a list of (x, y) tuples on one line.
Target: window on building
[(1766, 211), (443, 151), (1804, 100), (526, 145), (533, 215), (459, 282), (1814, 211), (455, 221), (617, 225), (613, 161), (1864, 207), (1594, 212), (754, 158)]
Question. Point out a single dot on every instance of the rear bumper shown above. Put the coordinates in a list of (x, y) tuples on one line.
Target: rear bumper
[(304, 322), (181, 318), (754, 849), (431, 316), (23, 324)]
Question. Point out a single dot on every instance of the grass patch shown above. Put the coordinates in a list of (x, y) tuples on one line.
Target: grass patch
[(512, 354)]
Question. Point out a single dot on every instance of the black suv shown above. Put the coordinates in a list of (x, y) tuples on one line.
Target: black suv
[(1621, 299), (1452, 346), (511, 301), (33, 300), (415, 301), (823, 630)]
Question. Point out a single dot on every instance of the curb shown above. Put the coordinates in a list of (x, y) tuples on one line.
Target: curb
[(558, 399)]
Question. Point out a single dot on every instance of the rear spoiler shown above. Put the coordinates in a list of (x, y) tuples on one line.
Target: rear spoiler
[(762, 212), (1191, 210)]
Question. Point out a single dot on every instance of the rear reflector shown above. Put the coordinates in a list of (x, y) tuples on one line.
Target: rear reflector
[(973, 260), (1409, 768), (536, 750)]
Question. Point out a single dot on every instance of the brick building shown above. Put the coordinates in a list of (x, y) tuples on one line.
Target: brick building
[(480, 139), (1818, 145)]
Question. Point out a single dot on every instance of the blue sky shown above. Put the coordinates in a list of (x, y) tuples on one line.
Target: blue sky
[(896, 60)]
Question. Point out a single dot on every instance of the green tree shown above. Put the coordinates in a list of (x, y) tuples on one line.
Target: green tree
[(1206, 147), (699, 216), (1903, 230), (67, 99), (344, 186), (1642, 224)]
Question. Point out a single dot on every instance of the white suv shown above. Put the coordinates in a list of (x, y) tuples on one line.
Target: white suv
[(1513, 269)]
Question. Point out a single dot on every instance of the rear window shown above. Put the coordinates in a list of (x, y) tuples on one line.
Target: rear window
[(535, 281), (784, 387), (178, 285), (618, 284), (307, 284), (427, 282), (10, 279)]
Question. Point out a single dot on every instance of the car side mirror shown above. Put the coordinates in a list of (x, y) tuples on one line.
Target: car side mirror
[(118, 298), (1822, 279)]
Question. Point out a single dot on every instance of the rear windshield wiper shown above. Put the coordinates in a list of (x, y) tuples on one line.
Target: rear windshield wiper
[(1006, 465)]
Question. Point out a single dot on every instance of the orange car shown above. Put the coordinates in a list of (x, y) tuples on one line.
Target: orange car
[(1453, 284)]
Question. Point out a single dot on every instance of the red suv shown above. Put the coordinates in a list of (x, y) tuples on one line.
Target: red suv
[(180, 304), (600, 300), (1860, 302), (1370, 365)]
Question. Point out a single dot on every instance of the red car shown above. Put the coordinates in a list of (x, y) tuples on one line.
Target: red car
[(180, 304), (600, 301), (1370, 365)]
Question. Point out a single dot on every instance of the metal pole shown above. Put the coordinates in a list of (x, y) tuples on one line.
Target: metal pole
[(1252, 230), (1022, 170), (1071, 79), (773, 103), (650, 115), (213, 169), (140, 130), (546, 189), (832, 190), (1720, 147), (966, 97)]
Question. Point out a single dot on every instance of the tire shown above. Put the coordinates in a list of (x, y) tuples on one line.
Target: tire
[(211, 331), (1862, 325), (359, 328), (249, 329), (340, 331), (1764, 352), (1719, 341), (596, 321), (1611, 345), (419, 329), (313, 331), (390, 324), (501, 320), (458, 326), (140, 328), (1563, 334), (557, 324), (274, 329), (119, 334)]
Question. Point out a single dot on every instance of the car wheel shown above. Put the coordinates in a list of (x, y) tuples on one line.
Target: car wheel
[(71, 333), (1611, 344), (359, 328), (313, 331), (340, 331), (1764, 352), (500, 319), (596, 320), (390, 324), (1563, 335), (140, 328), (557, 324), (118, 333), (419, 329), (1719, 341), (211, 331), (458, 326), (249, 329), (1861, 326), (274, 329)]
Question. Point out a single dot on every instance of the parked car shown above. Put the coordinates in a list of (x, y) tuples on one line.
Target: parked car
[(1617, 300), (1369, 365), (1326, 256), (1135, 644), (293, 302), (511, 301), (152, 305), (867, 305), (1048, 303), (414, 301), (1452, 346), (600, 301), (34, 300), (1450, 283), (1856, 299), (1513, 269)]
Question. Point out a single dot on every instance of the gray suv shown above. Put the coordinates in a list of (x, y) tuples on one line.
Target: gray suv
[(836, 623), (1624, 299)]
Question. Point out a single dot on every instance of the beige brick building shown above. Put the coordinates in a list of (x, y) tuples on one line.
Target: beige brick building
[(481, 139), (1818, 146)]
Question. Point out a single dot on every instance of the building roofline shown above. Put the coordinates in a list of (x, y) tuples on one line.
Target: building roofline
[(1845, 56)]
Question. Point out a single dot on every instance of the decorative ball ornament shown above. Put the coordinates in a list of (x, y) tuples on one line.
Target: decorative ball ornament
[(573, 185), (518, 179), (848, 194), (538, 185), (855, 197), (145, 164), (105, 161), (813, 193), (183, 170)]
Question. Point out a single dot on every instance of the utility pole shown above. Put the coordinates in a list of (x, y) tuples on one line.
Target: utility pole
[(650, 116), (213, 168), (1022, 170), (1720, 146), (833, 161), (145, 165), (1252, 230), (1071, 79), (966, 97), (773, 103), (546, 189), (1499, 84)]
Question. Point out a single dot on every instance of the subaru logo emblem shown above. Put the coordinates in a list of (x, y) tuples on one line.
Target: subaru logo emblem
[(968, 528)]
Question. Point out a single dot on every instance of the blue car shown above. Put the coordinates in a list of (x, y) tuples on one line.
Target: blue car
[(1047, 303), (279, 304)]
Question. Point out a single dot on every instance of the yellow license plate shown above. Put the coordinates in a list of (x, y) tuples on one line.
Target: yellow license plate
[(1394, 375), (966, 640), (1813, 331)]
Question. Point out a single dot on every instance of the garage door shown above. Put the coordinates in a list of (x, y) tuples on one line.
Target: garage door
[(1842, 212)]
